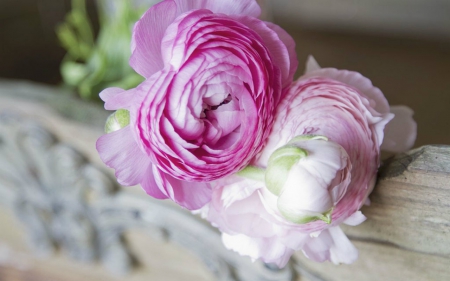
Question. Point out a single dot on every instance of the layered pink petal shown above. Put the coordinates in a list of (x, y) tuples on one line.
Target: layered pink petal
[(190, 195), (356, 80)]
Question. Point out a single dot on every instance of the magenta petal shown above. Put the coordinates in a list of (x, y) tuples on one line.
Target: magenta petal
[(229, 7), (191, 195), (400, 133), (148, 33), (118, 150)]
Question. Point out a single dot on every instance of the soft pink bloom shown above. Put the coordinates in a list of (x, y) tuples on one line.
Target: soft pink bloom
[(346, 108), (214, 76)]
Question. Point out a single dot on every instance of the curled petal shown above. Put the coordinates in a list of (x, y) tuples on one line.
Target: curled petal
[(271, 251), (332, 244), (117, 98), (355, 219), (146, 58), (400, 133), (311, 65)]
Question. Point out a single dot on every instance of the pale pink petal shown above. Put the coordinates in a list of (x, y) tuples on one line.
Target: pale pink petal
[(146, 58), (355, 219), (118, 150), (342, 251), (356, 80), (116, 98), (318, 248), (191, 195), (229, 7), (400, 133), (333, 245), (110, 93), (269, 250), (311, 65)]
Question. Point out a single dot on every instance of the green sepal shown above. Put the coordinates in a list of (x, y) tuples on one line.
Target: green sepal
[(307, 217), (279, 166), (117, 120)]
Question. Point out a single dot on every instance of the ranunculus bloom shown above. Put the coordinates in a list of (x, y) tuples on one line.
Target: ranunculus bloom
[(214, 76), (350, 112)]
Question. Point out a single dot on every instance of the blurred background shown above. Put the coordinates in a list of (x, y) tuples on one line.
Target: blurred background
[(403, 46)]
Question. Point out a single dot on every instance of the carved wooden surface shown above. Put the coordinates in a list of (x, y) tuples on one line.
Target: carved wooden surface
[(406, 235)]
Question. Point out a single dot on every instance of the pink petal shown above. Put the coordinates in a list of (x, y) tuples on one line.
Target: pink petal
[(110, 93), (118, 150), (355, 219), (191, 195), (229, 7), (400, 133), (151, 186), (117, 98), (290, 65), (269, 250), (333, 245), (355, 79), (148, 33), (280, 45), (343, 251)]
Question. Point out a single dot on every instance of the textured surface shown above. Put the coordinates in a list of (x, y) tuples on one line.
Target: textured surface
[(407, 233)]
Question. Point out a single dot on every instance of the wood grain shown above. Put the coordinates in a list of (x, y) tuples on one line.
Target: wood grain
[(407, 232)]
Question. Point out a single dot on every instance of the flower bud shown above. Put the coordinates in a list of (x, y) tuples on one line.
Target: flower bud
[(309, 175), (117, 120)]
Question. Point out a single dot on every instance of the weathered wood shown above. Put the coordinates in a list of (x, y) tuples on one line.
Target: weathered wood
[(407, 232)]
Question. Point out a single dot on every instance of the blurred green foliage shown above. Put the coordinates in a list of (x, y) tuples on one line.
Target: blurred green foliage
[(93, 64)]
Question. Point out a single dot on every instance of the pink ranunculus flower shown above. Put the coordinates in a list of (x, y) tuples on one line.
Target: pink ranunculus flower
[(214, 76), (327, 111)]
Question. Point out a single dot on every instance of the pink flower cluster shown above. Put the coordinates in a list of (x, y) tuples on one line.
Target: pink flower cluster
[(219, 126)]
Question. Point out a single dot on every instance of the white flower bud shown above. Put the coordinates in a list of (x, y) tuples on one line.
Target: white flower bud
[(309, 175)]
